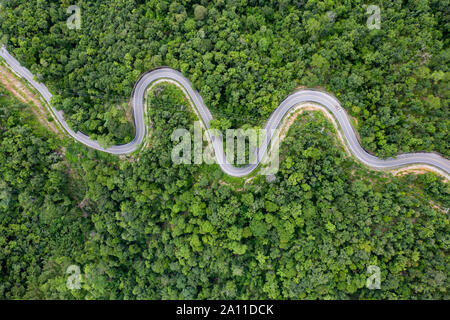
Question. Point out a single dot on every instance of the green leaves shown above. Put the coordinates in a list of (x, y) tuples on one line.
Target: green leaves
[(150, 229)]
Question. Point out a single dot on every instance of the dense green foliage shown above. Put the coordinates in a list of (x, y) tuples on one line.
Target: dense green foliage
[(41, 227), (142, 227), (155, 230), (245, 56)]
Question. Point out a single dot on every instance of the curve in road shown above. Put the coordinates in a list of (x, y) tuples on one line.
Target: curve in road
[(151, 78)]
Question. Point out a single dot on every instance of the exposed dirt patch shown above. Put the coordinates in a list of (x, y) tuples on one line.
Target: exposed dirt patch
[(82, 205), (417, 169), (309, 107), (292, 117), (356, 121), (221, 182), (129, 112), (20, 91), (249, 179), (443, 210)]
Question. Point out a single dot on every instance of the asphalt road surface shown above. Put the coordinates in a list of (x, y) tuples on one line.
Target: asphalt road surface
[(164, 74)]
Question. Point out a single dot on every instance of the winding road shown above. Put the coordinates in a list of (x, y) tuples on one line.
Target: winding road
[(148, 80)]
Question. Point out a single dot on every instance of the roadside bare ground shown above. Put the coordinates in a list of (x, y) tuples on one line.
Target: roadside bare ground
[(20, 91), (416, 169)]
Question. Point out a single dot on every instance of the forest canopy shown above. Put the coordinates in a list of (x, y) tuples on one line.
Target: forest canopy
[(245, 57), (142, 227), (150, 229)]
